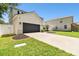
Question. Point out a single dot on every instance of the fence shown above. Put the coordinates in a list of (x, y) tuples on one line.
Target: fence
[(6, 29)]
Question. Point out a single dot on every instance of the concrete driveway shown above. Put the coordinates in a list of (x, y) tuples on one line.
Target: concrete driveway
[(68, 44)]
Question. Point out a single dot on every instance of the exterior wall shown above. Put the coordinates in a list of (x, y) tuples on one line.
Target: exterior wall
[(25, 18), (6, 29), (60, 26)]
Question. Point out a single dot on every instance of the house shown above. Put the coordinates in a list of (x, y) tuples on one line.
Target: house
[(63, 23), (27, 22), (22, 22)]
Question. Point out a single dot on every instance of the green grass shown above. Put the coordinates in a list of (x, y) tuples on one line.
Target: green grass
[(33, 48), (71, 34)]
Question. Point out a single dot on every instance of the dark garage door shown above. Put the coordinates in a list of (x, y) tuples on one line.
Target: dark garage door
[(27, 27)]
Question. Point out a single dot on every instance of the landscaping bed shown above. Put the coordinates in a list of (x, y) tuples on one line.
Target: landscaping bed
[(20, 36)]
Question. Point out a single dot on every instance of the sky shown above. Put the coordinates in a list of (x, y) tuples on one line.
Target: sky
[(52, 10)]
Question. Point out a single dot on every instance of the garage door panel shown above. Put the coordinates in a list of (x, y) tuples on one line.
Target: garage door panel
[(30, 28)]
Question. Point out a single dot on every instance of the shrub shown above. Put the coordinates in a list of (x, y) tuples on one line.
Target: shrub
[(7, 35), (51, 32), (42, 30)]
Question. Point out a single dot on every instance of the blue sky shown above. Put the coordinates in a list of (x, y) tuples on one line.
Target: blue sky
[(52, 10)]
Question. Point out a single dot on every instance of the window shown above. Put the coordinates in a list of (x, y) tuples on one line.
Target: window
[(61, 21), (22, 12), (56, 27), (18, 12), (65, 26)]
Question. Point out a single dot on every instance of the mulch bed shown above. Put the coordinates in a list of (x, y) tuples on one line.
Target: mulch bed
[(19, 36)]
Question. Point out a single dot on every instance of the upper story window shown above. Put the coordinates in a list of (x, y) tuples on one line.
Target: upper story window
[(61, 21), (18, 12), (65, 26)]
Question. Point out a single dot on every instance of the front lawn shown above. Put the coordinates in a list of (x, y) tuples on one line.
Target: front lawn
[(33, 47), (72, 34)]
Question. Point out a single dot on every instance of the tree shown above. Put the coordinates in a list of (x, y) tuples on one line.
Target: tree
[(3, 8), (13, 5), (10, 9), (2, 22), (47, 27)]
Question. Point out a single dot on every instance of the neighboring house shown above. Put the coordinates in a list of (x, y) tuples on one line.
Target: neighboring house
[(60, 23)]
